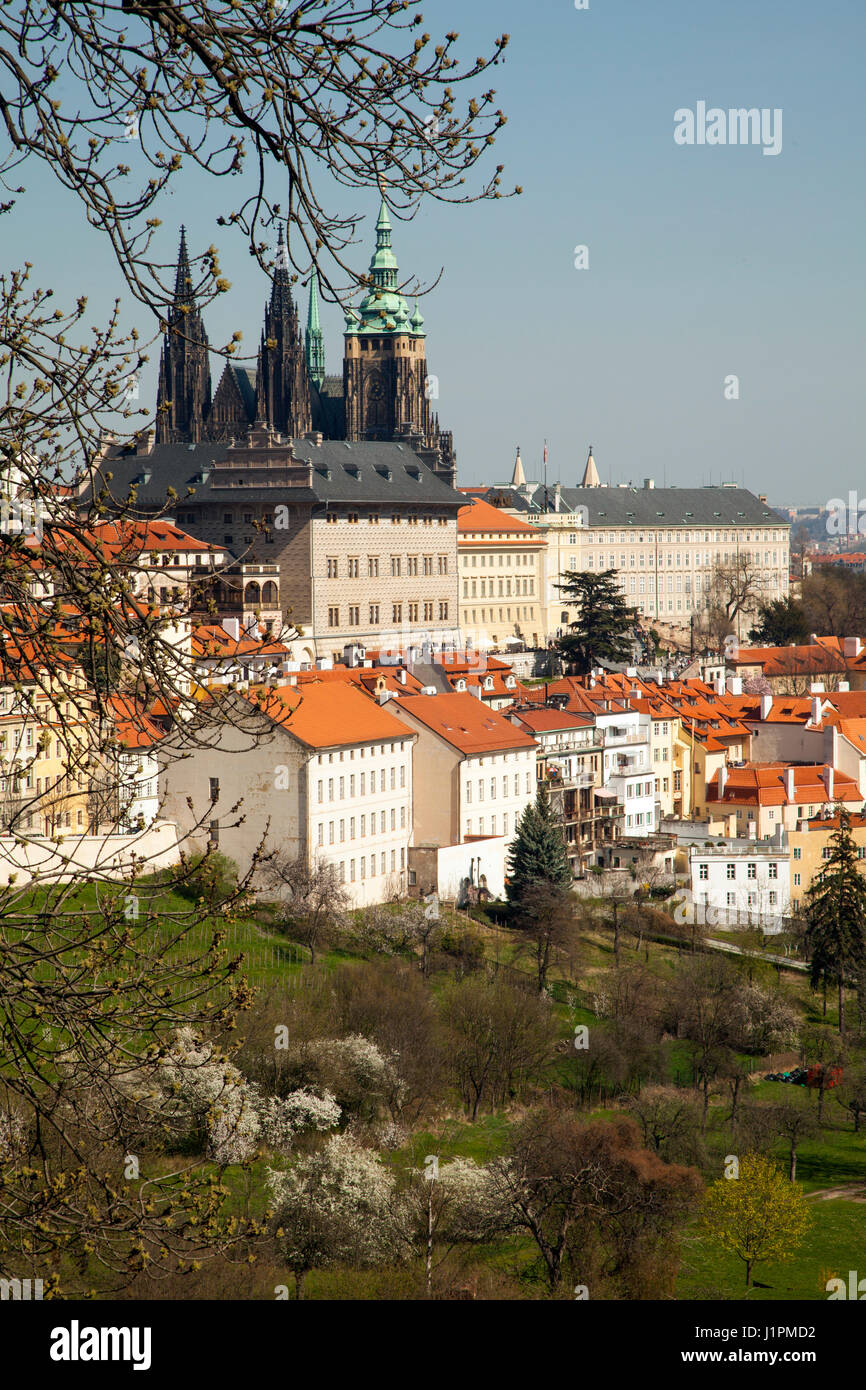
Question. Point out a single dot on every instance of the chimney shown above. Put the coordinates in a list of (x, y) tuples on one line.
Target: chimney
[(649, 482), (233, 627), (789, 784), (829, 779), (843, 685), (723, 780), (816, 709), (383, 696), (852, 647), (762, 498), (719, 685), (735, 685), (766, 706)]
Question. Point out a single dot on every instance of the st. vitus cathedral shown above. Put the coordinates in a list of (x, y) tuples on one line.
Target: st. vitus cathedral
[(384, 393)]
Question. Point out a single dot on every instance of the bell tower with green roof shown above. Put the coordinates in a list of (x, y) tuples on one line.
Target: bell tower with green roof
[(386, 385)]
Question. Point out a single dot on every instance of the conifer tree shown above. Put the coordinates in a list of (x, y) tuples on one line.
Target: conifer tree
[(537, 854), (835, 935), (604, 626)]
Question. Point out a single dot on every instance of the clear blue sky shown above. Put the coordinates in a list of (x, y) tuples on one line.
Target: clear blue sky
[(703, 261)]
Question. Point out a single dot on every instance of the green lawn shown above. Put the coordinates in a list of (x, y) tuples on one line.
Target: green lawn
[(834, 1246)]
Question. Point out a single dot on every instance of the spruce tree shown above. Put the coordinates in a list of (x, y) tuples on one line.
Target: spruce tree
[(604, 627), (835, 936), (537, 854)]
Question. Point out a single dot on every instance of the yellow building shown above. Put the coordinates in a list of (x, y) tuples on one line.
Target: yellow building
[(500, 562), (809, 848)]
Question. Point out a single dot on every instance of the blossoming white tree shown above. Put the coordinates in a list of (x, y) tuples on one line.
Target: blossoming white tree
[(198, 1091), (333, 1206)]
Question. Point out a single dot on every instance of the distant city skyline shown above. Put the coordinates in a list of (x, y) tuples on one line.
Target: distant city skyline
[(702, 263)]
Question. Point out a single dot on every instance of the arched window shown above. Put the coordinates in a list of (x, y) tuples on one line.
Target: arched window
[(252, 593), (269, 593), (376, 404)]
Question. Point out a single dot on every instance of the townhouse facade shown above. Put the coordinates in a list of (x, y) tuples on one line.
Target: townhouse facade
[(501, 579), (664, 543), (741, 885), (475, 772), (569, 769), (321, 773)]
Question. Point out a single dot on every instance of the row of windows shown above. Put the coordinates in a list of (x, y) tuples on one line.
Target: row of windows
[(373, 750), (493, 783), (336, 786), (638, 584), (528, 587), (640, 818), (372, 518), (639, 789), (337, 830), (731, 870), (683, 537), (480, 561), (483, 829), (676, 560), (413, 613), (772, 899), (504, 615), (347, 870), (353, 566)]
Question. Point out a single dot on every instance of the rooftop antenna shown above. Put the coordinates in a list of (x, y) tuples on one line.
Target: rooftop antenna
[(545, 477)]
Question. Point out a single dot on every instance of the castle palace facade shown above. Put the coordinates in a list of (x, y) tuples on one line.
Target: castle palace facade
[(383, 395)]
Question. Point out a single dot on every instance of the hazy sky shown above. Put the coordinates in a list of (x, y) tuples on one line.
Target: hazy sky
[(704, 261)]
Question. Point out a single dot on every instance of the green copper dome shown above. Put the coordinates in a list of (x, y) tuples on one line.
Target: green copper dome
[(383, 309)]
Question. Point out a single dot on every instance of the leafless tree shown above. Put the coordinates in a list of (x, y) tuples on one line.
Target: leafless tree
[(313, 901)]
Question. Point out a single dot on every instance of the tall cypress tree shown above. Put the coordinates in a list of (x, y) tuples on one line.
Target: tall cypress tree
[(537, 853), (835, 936), (604, 626)]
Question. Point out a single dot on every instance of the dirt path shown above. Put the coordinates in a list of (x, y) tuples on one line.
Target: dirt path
[(853, 1192)]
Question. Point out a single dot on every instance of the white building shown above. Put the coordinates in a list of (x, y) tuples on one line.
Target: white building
[(741, 883), (319, 772), (474, 770), (627, 770)]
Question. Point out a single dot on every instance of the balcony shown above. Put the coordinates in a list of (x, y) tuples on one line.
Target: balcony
[(614, 737)]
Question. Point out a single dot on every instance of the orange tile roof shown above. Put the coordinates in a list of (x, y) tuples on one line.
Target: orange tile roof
[(328, 714), (466, 723), (135, 728), (823, 656), (134, 537), (480, 518), (763, 784), (211, 640), (854, 730), (367, 677)]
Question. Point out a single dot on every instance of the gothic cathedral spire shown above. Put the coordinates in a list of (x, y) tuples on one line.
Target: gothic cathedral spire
[(184, 390), (314, 345), (282, 385)]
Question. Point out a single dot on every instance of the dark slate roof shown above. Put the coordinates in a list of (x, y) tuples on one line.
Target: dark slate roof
[(672, 506), (181, 466), (410, 480), (660, 506)]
